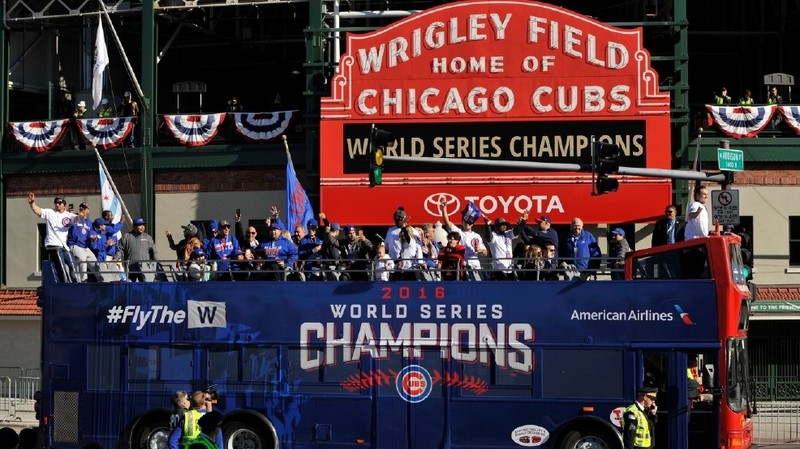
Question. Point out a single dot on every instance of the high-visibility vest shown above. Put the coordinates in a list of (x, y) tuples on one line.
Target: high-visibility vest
[(191, 429), (642, 437)]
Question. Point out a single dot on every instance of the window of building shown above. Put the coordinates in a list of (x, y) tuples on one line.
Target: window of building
[(794, 241)]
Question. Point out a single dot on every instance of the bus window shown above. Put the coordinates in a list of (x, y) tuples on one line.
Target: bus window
[(149, 368), (260, 365), (223, 365), (738, 388), (103, 367), (564, 373)]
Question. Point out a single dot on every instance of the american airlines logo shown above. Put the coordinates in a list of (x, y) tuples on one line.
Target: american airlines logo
[(489, 204), (198, 314)]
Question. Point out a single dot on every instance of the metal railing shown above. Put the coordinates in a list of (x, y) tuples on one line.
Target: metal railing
[(17, 393), (777, 423), (332, 270)]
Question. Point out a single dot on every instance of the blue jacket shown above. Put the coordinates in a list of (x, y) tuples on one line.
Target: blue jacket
[(281, 249), (111, 233), (79, 233), (578, 249), (222, 250)]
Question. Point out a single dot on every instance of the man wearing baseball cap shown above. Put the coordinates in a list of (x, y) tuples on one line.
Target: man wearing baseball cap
[(616, 253), (539, 235), (138, 248), (472, 241), (499, 236), (57, 223)]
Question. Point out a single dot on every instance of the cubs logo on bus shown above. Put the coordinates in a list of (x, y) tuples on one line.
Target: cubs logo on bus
[(414, 383)]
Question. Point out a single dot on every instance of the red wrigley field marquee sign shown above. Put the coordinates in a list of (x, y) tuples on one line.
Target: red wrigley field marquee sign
[(496, 81)]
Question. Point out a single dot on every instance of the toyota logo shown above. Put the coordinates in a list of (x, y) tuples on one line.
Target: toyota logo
[(452, 204)]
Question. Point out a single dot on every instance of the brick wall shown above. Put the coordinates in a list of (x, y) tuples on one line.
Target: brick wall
[(218, 180)]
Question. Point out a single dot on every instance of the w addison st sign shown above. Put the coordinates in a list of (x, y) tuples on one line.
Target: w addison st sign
[(496, 81)]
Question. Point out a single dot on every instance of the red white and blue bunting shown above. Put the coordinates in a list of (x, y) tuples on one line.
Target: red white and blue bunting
[(106, 133), (38, 136), (741, 121), (261, 127), (194, 130), (791, 114)]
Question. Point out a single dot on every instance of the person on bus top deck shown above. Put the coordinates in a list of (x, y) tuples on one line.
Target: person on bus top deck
[(210, 436), (471, 240), (639, 420), (188, 427)]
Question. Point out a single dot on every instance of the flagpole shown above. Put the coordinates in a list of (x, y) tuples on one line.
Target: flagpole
[(111, 182), (289, 158), (125, 60)]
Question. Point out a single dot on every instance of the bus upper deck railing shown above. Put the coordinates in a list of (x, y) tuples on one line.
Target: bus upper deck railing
[(336, 270)]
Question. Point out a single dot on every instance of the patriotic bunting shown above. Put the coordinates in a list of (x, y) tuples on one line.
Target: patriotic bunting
[(792, 117), (261, 126), (190, 130), (106, 133), (38, 136), (194, 130), (741, 121)]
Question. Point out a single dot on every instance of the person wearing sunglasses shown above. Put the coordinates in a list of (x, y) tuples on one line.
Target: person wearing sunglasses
[(58, 222), (222, 247), (639, 420)]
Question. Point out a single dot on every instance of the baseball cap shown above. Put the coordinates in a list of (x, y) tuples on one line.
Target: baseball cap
[(618, 231), (213, 226), (59, 199), (100, 222), (83, 206), (501, 221), (545, 218), (192, 229), (139, 221), (104, 101), (127, 93), (335, 226), (276, 225), (312, 223), (197, 252), (349, 228), (224, 223), (81, 104), (400, 214)]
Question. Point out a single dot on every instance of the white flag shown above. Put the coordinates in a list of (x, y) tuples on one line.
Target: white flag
[(108, 199), (100, 63)]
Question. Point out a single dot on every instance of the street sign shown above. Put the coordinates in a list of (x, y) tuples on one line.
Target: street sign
[(730, 160), (725, 207)]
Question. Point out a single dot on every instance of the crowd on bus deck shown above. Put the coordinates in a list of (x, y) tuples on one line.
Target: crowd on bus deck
[(325, 250)]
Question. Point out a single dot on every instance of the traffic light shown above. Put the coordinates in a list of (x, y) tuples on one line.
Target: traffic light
[(747, 255), (378, 139), (604, 163)]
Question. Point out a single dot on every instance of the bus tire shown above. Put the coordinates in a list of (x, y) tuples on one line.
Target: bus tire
[(580, 439), (246, 434), (151, 434)]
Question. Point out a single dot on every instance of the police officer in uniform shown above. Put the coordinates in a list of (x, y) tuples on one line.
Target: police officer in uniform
[(639, 420)]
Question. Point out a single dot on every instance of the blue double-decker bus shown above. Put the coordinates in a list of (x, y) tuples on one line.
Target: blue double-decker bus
[(384, 365)]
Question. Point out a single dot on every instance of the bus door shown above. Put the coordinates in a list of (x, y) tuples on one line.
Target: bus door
[(685, 421), (412, 407)]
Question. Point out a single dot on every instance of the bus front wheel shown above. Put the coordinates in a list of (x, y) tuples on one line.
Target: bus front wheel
[(576, 439), (152, 435), (246, 435)]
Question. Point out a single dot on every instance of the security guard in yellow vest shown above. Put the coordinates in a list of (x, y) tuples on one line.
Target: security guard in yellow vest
[(211, 436), (639, 420), (188, 427)]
